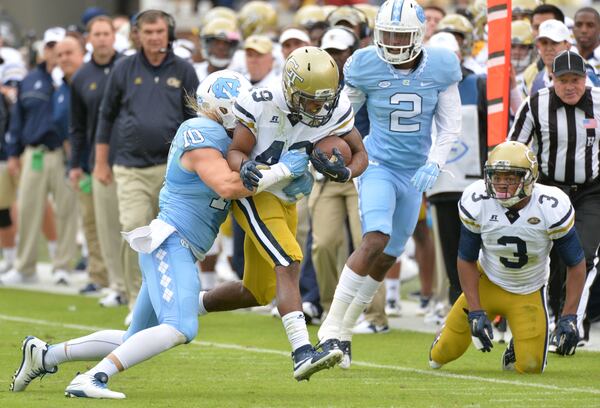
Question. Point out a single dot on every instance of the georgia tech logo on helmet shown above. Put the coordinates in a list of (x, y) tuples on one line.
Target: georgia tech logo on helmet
[(292, 73)]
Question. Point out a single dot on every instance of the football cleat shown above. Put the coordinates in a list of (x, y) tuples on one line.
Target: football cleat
[(433, 364), (32, 364), (312, 313), (328, 345), (508, 357), (552, 343), (366, 327), (308, 361), (346, 347), (91, 386), (393, 308)]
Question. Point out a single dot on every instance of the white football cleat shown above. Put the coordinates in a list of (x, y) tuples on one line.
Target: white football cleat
[(14, 277), (112, 299), (91, 386), (32, 364), (393, 308)]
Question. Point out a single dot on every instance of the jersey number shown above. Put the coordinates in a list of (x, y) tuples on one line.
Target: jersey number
[(273, 152), (396, 117), (192, 136), (520, 255), (218, 203), (262, 95)]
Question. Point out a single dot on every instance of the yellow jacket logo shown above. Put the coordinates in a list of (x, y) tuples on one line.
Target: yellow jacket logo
[(174, 82), (137, 81), (534, 220), (93, 86)]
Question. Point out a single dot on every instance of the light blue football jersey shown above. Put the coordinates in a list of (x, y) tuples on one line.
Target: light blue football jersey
[(185, 201), (401, 105)]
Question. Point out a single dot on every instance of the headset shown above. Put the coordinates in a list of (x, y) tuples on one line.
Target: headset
[(363, 27), (168, 18)]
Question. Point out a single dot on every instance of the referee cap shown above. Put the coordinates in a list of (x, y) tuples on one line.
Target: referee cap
[(568, 62)]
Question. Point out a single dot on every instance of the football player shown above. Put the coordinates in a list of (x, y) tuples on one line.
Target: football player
[(509, 225), (305, 108), (406, 88), (194, 202)]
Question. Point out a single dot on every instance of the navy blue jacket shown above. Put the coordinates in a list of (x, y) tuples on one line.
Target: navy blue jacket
[(146, 104), (32, 122)]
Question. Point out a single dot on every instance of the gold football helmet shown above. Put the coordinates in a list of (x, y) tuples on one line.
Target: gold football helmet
[(219, 12), (522, 45), (458, 24), (370, 11), (219, 29), (311, 85), (309, 15), (523, 9), (510, 164), (353, 18), (257, 17)]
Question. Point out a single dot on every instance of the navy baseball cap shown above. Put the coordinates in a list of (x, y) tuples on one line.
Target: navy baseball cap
[(568, 62)]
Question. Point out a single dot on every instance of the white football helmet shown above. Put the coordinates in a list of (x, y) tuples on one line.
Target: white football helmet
[(399, 31), (218, 92)]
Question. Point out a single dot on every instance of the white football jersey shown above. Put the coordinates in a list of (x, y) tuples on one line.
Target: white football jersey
[(265, 112), (516, 246)]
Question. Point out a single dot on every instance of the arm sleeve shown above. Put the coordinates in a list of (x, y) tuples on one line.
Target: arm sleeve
[(14, 147), (77, 128), (110, 106), (448, 124), (190, 85), (468, 245), (522, 128), (569, 248)]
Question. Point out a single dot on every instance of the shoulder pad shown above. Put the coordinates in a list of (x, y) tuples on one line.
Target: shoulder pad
[(470, 204), (442, 66), (557, 209)]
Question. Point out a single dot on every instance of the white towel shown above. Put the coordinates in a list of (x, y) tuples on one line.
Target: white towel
[(149, 237)]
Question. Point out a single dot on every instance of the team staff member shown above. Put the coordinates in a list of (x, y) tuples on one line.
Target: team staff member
[(102, 210), (561, 124), (144, 102), (36, 133)]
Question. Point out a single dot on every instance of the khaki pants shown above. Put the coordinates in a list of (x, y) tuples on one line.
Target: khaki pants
[(96, 269), (330, 204), (34, 187), (137, 192), (108, 227), (8, 187)]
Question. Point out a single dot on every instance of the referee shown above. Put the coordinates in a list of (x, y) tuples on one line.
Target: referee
[(561, 123)]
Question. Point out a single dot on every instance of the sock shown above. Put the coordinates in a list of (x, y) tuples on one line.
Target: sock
[(105, 366), (295, 327), (91, 347), (201, 309), (141, 346), (392, 290), (208, 279), (345, 291), (52, 249), (364, 296), (9, 254)]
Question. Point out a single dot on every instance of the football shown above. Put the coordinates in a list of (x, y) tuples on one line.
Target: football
[(327, 144)]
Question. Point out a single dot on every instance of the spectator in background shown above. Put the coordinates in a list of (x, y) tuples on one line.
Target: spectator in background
[(38, 132), (144, 102), (433, 15), (259, 60), (291, 39), (99, 205), (219, 40), (587, 35)]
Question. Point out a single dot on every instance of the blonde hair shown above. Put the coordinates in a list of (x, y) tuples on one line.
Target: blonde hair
[(202, 109)]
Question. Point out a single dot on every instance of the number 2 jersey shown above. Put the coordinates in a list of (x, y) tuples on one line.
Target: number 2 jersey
[(515, 246), (265, 112), (186, 203)]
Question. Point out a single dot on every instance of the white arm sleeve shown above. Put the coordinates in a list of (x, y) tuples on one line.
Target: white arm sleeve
[(448, 124), (356, 96)]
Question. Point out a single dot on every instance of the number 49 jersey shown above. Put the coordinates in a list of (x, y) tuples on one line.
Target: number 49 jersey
[(516, 246)]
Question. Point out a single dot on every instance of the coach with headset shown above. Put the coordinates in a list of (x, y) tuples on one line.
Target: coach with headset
[(144, 101)]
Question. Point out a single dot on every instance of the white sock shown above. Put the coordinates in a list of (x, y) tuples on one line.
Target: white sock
[(105, 366), (143, 345), (208, 279), (363, 298), (9, 254), (392, 290), (201, 309), (90, 347), (346, 290), (52, 249), (295, 327)]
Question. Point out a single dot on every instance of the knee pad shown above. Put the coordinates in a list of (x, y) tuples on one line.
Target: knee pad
[(5, 220)]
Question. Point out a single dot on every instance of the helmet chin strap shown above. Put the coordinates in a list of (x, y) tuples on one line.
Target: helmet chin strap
[(219, 62)]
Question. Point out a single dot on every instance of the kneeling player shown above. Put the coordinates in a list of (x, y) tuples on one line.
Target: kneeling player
[(509, 226)]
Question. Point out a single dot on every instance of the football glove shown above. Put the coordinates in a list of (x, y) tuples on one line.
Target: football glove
[(425, 176), (299, 187), (335, 169), (481, 330), (250, 174), (296, 161), (566, 335)]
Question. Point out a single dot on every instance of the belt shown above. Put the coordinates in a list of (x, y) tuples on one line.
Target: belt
[(571, 187)]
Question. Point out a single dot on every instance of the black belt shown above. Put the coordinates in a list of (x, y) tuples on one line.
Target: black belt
[(572, 188)]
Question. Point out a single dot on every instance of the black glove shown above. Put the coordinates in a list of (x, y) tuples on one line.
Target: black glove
[(566, 335), (481, 330), (335, 169), (250, 174)]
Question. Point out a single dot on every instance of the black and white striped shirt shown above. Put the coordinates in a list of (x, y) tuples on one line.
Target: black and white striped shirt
[(565, 137)]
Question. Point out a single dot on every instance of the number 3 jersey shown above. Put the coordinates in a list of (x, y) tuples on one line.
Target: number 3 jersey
[(515, 246), (265, 112), (186, 203)]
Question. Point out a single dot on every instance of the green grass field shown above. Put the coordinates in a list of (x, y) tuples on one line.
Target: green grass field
[(242, 360)]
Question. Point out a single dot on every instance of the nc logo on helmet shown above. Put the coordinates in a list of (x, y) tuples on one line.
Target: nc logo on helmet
[(226, 88)]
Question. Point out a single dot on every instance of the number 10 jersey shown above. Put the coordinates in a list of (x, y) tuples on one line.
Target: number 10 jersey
[(515, 246)]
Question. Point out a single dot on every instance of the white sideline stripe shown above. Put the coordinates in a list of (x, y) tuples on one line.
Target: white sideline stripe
[(237, 347)]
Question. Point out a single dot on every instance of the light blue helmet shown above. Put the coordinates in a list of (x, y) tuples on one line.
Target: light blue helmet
[(218, 92)]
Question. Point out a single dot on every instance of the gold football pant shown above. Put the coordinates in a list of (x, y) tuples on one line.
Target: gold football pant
[(270, 226), (527, 318)]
